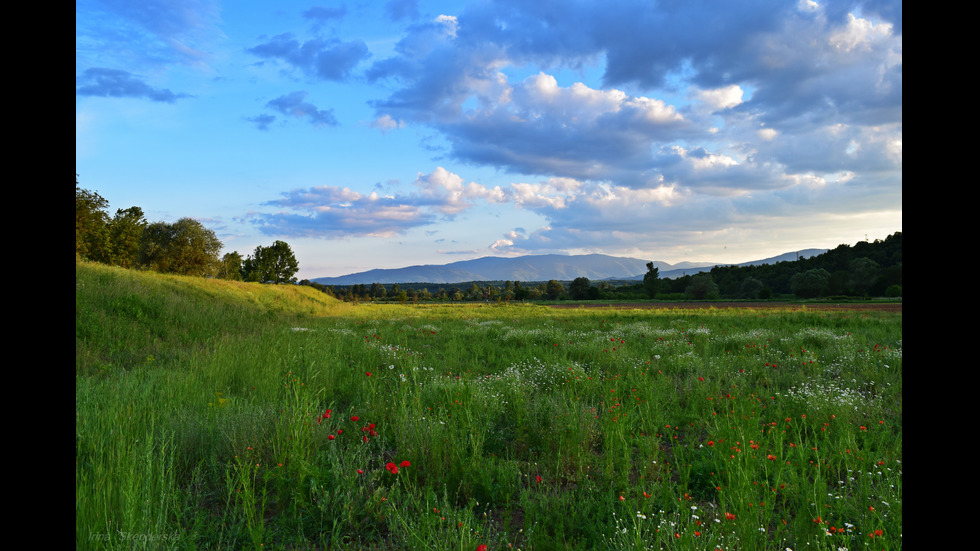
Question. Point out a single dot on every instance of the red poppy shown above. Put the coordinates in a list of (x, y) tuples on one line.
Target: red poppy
[(481, 547), (405, 464), (538, 479), (392, 468), (730, 516), (331, 437), (326, 415)]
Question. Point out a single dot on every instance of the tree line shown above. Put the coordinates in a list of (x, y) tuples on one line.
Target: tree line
[(184, 247), (866, 269)]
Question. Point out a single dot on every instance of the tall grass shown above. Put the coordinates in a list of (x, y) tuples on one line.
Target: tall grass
[(228, 416)]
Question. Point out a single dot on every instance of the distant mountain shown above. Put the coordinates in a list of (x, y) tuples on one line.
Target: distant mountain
[(536, 268), (676, 272)]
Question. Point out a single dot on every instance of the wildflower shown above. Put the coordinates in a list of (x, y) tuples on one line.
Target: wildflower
[(729, 516), (326, 414), (538, 479), (359, 471), (481, 547), (331, 437), (392, 468), (354, 418), (406, 463)]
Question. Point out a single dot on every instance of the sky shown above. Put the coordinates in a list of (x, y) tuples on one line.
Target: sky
[(384, 134)]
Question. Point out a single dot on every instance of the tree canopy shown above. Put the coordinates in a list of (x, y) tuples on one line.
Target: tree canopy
[(185, 247), (273, 264)]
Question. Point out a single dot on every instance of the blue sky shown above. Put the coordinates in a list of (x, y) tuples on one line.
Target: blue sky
[(387, 134)]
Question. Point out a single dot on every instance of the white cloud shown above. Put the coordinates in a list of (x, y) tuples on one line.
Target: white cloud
[(386, 123), (859, 34), (721, 98)]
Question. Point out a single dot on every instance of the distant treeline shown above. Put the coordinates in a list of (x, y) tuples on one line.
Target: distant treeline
[(865, 269)]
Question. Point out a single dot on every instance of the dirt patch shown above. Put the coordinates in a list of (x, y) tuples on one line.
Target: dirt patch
[(874, 306)]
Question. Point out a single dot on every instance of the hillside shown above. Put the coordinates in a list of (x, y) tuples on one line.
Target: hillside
[(128, 317), (596, 267)]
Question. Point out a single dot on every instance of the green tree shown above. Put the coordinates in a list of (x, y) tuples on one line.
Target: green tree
[(231, 266), (750, 288), (863, 272), (578, 289), (651, 280), (554, 289), (91, 225), (125, 236), (521, 292), (811, 283), (272, 264), (702, 287), (185, 247)]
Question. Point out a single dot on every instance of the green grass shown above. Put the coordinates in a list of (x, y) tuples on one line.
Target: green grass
[(202, 423)]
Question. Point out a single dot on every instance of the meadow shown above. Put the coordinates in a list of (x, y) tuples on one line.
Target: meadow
[(223, 415)]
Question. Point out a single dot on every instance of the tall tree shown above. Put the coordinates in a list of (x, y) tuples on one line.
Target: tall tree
[(231, 266), (811, 283), (125, 235), (651, 280), (579, 288), (554, 289), (273, 264), (185, 247), (91, 225), (702, 286)]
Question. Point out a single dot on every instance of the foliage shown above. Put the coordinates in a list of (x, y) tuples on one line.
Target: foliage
[(184, 247), (651, 280), (554, 289), (231, 267), (91, 225), (578, 289), (273, 264), (702, 287), (811, 283), (129, 241), (125, 237)]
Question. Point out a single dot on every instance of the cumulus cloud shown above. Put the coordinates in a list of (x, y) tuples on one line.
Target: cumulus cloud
[(744, 113), (114, 83), (319, 58), (788, 66), (294, 105), (333, 212)]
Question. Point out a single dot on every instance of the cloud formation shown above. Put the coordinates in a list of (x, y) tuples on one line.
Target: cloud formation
[(294, 105), (114, 83), (615, 126), (318, 58)]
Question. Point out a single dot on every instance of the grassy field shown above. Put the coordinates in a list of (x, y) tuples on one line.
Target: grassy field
[(221, 415)]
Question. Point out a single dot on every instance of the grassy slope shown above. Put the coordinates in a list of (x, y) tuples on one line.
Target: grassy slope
[(125, 318)]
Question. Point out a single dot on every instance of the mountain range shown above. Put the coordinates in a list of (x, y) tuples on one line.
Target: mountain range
[(546, 267)]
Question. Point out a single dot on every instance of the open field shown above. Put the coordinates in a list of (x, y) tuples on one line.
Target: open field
[(232, 416), (875, 306)]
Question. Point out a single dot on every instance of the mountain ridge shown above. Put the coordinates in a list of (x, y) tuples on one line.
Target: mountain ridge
[(540, 268)]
